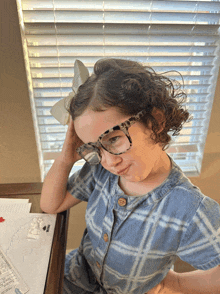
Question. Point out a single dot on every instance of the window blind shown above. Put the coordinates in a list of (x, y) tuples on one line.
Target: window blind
[(166, 35)]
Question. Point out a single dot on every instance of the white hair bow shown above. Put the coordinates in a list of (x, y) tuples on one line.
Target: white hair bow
[(59, 111)]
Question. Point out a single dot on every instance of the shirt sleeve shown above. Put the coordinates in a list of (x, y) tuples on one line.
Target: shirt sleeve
[(200, 244), (82, 182)]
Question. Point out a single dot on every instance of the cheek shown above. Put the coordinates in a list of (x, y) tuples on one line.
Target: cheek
[(141, 147), (144, 153)]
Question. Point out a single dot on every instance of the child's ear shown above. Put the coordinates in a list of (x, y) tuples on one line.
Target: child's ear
[(160, 117)]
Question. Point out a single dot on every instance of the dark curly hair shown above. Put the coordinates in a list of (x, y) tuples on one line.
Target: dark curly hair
[(131, 87)]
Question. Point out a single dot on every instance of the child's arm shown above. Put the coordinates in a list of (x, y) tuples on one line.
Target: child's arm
[(195, 282), (54, 196), (200, 282), (170, 285), (54, 190)]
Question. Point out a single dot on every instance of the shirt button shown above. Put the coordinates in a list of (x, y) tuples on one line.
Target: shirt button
[(122, 201), (98, 265), (105, 237)]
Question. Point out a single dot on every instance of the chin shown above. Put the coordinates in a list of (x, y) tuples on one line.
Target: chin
[(133, 178), (138, 179)]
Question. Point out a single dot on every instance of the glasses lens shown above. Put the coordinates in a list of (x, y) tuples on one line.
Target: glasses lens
[(116, 142)]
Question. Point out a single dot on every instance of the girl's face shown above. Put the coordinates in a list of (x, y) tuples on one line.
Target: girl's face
[(143, 161)]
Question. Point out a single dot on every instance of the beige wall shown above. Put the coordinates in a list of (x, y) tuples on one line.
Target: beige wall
[(18, 152)]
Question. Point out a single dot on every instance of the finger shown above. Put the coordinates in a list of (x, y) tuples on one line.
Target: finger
[(71, 128), (71, 123)]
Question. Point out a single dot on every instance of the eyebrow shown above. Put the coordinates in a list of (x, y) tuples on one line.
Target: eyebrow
[(107, 131)]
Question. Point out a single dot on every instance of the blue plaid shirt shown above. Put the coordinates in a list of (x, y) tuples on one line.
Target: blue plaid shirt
[(131, 242)]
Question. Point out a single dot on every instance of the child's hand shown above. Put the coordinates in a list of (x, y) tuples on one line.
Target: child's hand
[(71, 143), (170, 285)]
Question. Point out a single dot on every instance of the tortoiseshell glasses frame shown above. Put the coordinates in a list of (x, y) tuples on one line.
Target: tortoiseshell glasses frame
[(123, 127)]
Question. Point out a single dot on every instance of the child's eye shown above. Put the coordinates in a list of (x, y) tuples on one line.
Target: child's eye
[(113, 140)]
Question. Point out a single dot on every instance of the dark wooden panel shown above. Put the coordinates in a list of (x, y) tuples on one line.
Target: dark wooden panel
[(20, 188), (55, 275)]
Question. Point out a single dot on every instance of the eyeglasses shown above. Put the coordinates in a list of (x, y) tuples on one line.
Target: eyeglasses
[(115, 140)]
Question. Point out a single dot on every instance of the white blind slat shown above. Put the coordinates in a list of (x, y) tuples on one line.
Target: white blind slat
[(137, 40), (183, 6), (119, 17), (94, 29)]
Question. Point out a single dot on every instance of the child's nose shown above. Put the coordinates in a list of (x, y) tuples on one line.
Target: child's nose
[(109, 159)]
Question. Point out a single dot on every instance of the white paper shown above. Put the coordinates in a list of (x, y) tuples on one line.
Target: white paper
[(15, 208), (10, 280), (27, 241)]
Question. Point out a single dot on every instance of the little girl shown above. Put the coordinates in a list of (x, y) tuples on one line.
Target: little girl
[(142, 211)]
